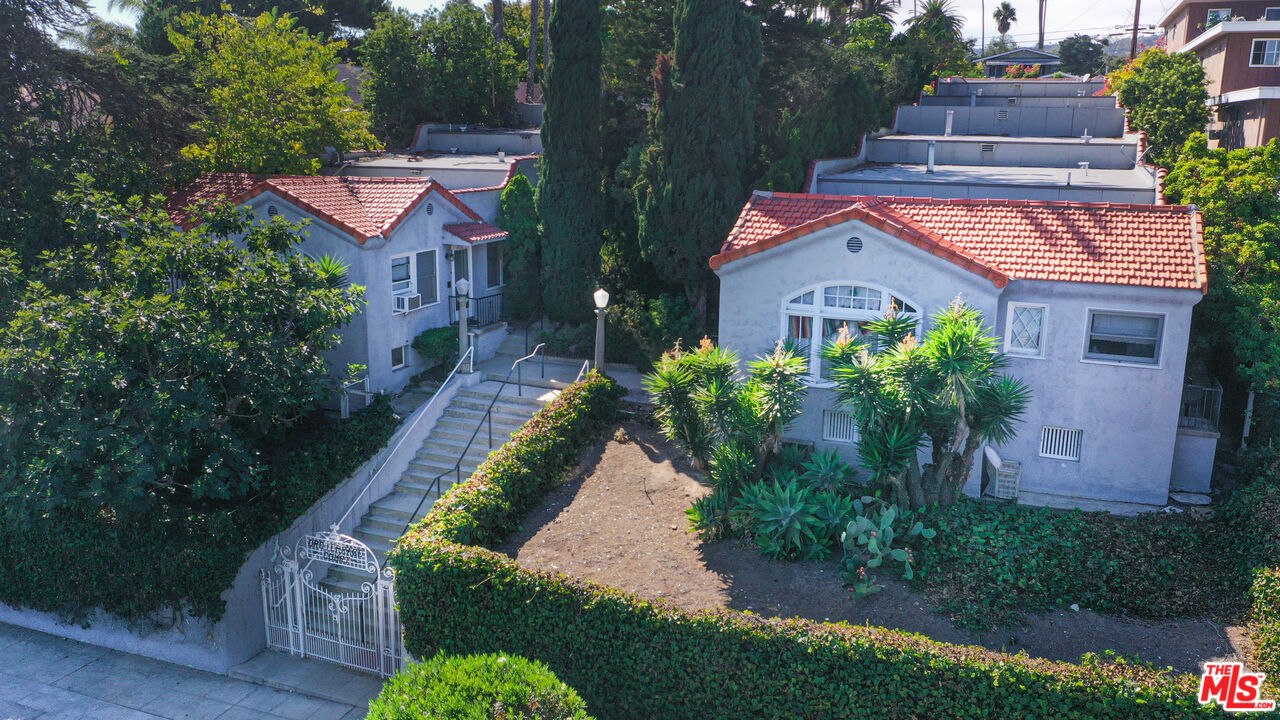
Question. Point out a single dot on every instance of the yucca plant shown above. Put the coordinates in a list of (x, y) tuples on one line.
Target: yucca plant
[(945, 391)]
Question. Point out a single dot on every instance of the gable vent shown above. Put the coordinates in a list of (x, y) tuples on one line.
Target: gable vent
[(272, 211), (430, 208), (853, 244), (988, 147), (1002, 115)]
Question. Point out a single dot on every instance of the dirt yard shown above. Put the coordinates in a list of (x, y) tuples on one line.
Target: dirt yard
[(619, 520)]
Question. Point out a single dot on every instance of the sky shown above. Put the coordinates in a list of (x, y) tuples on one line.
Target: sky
[(1092, 17)]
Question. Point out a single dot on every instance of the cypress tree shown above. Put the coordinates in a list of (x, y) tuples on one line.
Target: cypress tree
[(569, 195), (519, 217), (703, 134)]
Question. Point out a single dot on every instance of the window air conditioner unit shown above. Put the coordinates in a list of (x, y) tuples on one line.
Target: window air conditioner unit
[(408, 303)]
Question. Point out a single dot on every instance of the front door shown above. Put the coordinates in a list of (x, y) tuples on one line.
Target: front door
[(461, 269)]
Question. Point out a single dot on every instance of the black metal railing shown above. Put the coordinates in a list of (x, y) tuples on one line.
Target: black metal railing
[(482, 311), (456, 470)]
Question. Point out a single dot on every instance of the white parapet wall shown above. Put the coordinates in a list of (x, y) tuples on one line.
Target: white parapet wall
[(241, 633)]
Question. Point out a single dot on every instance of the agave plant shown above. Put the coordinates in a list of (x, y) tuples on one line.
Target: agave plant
[(784, 519), (826, 470), (709, 514)]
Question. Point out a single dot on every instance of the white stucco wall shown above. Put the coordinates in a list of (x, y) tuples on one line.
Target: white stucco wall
[(1128, 413), (369, 339)]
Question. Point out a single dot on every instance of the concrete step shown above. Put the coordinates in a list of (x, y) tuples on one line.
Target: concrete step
[(511, 403), (501, 433), (432, 468), (400, 505), (504, 415), (474, 457), (550, 383)]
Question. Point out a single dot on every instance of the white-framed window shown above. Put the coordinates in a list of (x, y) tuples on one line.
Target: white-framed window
[(399, 357), (416, 274), (1024, 329), (402, 274), (1060, 443), (494, 252), (1124, 337), (1271, 13), (839, 426), (1215, 16), (816, 315), (1266, 53)]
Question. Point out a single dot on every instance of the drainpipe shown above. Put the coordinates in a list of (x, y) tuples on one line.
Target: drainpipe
[(951, 116), (931, 150)]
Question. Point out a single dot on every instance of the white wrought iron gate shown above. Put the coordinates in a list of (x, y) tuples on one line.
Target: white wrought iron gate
[(356, 629)]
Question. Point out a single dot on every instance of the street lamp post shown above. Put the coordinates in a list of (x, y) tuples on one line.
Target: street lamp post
[(602, 301), (462, 287)]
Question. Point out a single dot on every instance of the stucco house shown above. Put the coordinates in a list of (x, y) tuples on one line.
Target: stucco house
[(407, 241), (1092, 302)]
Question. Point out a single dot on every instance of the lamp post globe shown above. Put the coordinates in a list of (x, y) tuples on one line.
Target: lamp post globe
[(601, 298)]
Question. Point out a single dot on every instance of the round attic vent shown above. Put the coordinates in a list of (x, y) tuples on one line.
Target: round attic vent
[(272, 211), (430, 208), (853, 244)]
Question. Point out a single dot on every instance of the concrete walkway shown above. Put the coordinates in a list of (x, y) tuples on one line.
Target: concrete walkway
[(51, 678)]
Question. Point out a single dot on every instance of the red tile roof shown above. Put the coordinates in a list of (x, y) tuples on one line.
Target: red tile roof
[(365, 207), (475, 232), (1111, 243)]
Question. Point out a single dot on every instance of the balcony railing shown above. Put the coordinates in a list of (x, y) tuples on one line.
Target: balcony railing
[(484, 310), (1200, 406)]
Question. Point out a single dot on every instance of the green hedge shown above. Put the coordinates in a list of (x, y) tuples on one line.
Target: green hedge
[(991, 562), (630, 658), (477, 687), (147, 563)]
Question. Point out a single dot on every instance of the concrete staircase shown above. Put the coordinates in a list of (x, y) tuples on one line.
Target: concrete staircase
[(416, 490)]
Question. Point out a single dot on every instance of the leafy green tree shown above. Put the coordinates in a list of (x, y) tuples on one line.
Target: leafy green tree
[(275, 101), (394, 83), (704, 133), (945, 390), (334, 19), (569, 189), (1001, 44), (1237, 326), (1165, 95), (144, 364), (518, 215), (1081, 55)]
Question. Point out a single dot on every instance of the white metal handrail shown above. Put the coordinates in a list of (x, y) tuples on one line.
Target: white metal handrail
[(586, 365), (404, 435)]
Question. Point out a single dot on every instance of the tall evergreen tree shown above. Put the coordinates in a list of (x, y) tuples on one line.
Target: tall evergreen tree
[(569, 196), (695, 174), (518, 215)]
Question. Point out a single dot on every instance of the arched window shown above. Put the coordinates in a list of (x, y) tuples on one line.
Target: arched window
[(814, 316)]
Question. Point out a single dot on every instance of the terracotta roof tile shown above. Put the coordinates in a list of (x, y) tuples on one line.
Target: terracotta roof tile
[(474, 232), (365, 207), (1109, 243)]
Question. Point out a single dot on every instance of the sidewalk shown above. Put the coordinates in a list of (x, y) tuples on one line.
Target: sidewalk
[(50, 678)]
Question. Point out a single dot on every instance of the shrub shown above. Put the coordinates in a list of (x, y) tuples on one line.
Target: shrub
[(630, 658), (991, 562), (437, 345), (1265, 595), (878, 533), (179, 555), (477, 687)]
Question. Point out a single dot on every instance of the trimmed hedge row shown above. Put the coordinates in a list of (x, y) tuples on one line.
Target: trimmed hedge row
[(630, 658), (169, 556)]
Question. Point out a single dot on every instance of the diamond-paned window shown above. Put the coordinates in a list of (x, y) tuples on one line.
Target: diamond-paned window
[(1025, 334)]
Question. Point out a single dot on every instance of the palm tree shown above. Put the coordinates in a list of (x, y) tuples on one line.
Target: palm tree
[(1005, 16), (938, 19), (883, 9), (1040, 44), (97, 36)]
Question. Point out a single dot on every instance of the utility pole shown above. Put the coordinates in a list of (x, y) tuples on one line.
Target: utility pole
[(1133, 41), (982, 50)]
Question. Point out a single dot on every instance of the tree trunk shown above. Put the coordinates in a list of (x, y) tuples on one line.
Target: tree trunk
[(915, 495), (697, 297), (533, 52), (497, 20)]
